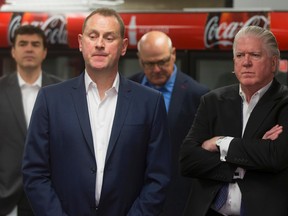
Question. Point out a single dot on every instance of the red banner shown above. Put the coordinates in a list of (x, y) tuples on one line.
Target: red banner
[(188, 30), (279, 26)]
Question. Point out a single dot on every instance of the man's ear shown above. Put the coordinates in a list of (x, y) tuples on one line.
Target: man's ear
[(12, 52), (275, 63)]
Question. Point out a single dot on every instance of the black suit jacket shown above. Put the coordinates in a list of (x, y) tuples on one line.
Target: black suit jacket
[(264, 187), (183, 106), (13, 130)]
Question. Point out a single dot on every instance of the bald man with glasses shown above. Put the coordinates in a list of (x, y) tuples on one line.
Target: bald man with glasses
[(182, 94)]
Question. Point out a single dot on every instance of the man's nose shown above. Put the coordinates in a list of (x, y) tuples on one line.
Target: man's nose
[(156, 67), (247, 60), (100, 42)]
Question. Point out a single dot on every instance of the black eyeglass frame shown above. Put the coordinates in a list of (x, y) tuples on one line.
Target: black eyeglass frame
[(161, 64)]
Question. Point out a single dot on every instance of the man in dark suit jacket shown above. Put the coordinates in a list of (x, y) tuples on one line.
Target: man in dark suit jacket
[(239, 137), (182, 96), (17, 94), (97, 144)]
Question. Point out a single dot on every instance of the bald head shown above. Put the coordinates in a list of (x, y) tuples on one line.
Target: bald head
[(157, 57), (154, 42)]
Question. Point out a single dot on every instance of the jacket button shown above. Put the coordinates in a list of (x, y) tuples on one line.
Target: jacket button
[(93, 171)]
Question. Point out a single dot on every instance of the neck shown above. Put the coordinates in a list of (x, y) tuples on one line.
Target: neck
[(104, 81), (29, 76)]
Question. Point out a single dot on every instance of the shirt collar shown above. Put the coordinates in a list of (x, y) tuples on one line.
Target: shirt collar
[(168, 85), (37, 83), (89, 82), (260, 92)]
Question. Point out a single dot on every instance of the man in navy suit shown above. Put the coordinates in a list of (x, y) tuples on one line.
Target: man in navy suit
[(182, 94), (239, 137), (98, 143)]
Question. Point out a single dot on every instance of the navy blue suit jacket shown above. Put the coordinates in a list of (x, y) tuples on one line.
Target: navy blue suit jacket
[(184, 102), (59, 166)]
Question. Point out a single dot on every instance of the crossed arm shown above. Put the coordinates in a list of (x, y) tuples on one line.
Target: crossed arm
[(271, 134)]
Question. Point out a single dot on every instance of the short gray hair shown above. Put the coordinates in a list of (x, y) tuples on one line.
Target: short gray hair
[(265, 35)]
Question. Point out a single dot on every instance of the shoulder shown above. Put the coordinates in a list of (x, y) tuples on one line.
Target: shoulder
[(9, 79), (278, 90), (4, 78), (140, 94), (224, 92), (142, 98), (185, 81), (138, 88), (50, 78), (63, 86), (8, 76), (137, 77)]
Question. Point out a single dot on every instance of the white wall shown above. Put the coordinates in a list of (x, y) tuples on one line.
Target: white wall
[(266, 4)]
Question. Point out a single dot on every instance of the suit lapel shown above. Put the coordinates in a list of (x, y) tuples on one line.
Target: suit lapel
[(232, 100), (80, 102), (123, 101), (15, 99), (177, 97), (14, 96), (261, 110)]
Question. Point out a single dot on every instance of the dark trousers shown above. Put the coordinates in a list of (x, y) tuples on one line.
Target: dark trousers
[(24, 208), (211, 212)]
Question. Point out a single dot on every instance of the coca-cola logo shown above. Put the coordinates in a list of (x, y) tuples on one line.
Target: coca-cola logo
[(223, 33), (14, 24), (54, 28)]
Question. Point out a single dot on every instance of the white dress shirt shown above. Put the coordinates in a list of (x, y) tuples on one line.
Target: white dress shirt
[(29, 94), (101, 114), (233, 203)]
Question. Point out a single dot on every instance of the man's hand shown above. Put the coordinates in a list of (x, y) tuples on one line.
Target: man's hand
[(210, 144), (273, 133)]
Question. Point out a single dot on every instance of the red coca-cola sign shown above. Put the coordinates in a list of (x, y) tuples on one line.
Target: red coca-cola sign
[(188, 30), (54, 26), (221, 28)]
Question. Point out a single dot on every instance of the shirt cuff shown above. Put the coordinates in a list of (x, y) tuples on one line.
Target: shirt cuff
[(223, 144)]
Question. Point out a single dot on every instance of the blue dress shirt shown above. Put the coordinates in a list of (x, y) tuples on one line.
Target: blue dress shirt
[(166, 89)]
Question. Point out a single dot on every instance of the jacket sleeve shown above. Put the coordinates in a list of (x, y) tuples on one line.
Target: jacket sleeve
[(198, 162), (158, 166)]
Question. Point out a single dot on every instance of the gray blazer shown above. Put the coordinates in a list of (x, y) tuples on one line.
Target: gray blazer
[(13, 130)]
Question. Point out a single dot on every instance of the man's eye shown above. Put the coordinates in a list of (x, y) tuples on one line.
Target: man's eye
[(36, 44), (92, 36), (161, 63), (256, 55), (239, 55), (109, 38)]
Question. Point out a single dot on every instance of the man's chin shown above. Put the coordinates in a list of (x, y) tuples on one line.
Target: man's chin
[(29, 67), (158, 83)]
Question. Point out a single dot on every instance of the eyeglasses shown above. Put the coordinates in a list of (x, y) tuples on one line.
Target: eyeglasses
[(161, 64)]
